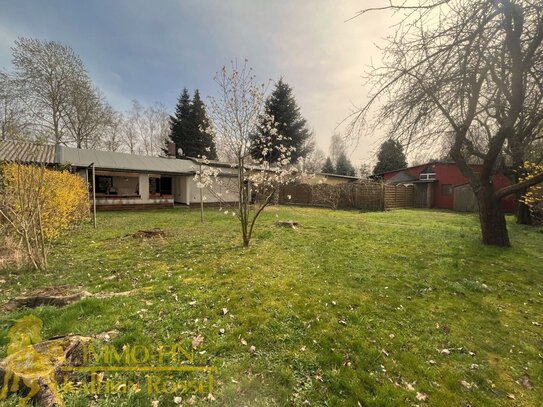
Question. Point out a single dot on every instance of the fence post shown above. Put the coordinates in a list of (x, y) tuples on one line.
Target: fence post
[(383, 194)]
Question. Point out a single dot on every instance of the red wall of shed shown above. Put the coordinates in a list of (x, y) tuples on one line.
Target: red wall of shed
[(449, 173)]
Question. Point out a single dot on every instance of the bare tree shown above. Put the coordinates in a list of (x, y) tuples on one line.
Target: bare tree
[(146, 129), (131, 129), (156, 129), (235, 114), (13, 120), (314, 161), (112, 134), (466, 69), (337, 147), (87, 113), (44, 74)]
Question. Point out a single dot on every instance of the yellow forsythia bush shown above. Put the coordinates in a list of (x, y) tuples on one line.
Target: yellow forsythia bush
[(63, 197), (535, 193), (534, 197)]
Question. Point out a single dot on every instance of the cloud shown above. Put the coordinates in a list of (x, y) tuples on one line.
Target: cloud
[(151, 50)]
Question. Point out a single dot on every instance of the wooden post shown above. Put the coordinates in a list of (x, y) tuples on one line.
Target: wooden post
[(94, 193), (383, 194), (201, 197)]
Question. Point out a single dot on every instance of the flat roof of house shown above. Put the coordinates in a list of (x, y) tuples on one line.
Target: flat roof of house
[(122, 161), (108, 160)]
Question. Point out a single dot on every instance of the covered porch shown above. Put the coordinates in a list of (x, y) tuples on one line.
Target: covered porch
[(132, 190)]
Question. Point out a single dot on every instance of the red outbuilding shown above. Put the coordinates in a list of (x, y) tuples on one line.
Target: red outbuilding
[(437, 184)]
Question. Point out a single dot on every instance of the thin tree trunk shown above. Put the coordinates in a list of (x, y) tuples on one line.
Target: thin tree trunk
[(522, 211), (492, 218)]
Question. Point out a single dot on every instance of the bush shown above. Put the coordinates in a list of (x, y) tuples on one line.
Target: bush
[(534, 197), (37, 204)]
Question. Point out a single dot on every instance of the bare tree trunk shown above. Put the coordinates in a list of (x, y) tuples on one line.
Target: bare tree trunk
[(492, 218), (522, 211)]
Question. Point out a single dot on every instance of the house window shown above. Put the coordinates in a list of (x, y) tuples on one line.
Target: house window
[(154, 185), (160, 186), (103, 184), (165, 186), (446, 189), (427, 174)]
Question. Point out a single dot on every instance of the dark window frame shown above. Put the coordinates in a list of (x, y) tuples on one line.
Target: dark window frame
[(447, 189), (156, 183), (100, 186)]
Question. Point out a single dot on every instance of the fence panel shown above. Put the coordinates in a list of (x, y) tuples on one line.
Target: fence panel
[(399, 196), (364, 196)]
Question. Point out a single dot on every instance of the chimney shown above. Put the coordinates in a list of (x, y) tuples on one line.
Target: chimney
[(171, 150)]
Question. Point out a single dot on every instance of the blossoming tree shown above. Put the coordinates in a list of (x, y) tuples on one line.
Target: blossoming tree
[(235, 114)]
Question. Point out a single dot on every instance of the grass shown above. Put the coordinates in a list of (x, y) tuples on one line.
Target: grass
[(351, 309)]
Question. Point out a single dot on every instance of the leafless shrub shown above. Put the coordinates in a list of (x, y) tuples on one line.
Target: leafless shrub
[(326, 195)]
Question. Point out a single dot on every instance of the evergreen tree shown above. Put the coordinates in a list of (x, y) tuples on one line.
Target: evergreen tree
[(290, 125), (179, 123), (188, 127), (328, 167), (390, 157), (203, 144), (344, 166)]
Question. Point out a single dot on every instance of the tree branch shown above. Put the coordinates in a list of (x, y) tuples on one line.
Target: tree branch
[(511, 189)]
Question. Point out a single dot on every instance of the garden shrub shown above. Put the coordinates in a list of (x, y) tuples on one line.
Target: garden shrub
[(37, 204), (534, 197)]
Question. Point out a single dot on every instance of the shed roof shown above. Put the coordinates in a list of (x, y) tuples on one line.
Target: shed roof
[(24, 151), (122, 161), (401, 178)]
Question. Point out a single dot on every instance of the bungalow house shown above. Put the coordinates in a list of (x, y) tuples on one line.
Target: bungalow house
[(125, 181), (440, 184)]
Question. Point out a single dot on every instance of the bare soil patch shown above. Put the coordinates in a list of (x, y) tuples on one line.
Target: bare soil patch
[(149, 234), (57, 296)]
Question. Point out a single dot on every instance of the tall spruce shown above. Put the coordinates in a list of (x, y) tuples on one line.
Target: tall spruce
[(344, 166), (390, 157), (189, 127), (328, 167), (179, 124), (203, 143), (291, 126)]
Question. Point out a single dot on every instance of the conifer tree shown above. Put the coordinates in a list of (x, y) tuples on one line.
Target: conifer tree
[(390, 157), (203, 143), (179, 123), (189, 127), (291, 127), (328, 167), (344, 166)]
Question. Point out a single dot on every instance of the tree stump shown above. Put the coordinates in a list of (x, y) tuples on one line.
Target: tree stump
[(290, 224), (148, 234)]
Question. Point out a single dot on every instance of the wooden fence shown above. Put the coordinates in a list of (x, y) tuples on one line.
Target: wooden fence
[(399, 196), (363, 196)]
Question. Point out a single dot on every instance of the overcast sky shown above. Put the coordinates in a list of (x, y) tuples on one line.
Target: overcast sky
[(149, 50)]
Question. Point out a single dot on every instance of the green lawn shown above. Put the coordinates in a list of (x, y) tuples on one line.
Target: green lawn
[(350, 309)]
